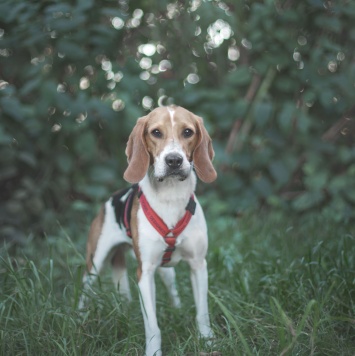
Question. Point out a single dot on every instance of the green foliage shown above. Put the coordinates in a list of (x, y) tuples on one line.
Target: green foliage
[(58, 142), (74, 77), (278, 285)]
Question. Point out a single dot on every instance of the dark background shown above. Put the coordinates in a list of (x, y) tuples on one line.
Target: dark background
[(273, 80)]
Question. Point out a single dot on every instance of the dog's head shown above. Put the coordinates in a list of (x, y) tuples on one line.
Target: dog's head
[(173, 141)]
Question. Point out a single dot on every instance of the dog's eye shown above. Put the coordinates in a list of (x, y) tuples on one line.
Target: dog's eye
[(187, 133), (156, 133)]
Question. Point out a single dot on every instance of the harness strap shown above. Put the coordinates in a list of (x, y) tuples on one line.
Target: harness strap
[(169, 235), (126, 219), (127, 210)]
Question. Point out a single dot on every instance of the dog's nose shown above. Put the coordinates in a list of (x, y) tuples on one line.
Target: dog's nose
[(173, 160)]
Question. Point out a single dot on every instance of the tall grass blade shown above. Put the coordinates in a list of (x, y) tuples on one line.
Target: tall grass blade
[(288, 323), (231, 319)]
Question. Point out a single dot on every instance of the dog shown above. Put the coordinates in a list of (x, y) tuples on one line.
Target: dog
[(159, 216)]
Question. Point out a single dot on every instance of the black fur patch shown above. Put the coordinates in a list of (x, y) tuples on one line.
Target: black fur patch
[(119, 205)]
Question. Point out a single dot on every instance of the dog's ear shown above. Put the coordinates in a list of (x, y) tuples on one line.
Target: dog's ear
[(203, 155), (137, 153)]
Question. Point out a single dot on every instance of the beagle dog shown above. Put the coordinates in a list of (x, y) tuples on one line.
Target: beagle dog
[(159, 216)]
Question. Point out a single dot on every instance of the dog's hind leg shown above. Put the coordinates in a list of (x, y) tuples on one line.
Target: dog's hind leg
[(167, 274), (119, 271), (95, 263), (103, 237)]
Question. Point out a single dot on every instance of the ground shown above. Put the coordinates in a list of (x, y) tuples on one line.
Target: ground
[(277, 285)]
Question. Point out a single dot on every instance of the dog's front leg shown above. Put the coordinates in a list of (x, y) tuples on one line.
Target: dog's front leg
[(147, 299), (199, 281)]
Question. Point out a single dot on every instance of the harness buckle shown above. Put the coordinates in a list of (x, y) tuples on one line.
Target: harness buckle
[(191, 206), (170, 249)]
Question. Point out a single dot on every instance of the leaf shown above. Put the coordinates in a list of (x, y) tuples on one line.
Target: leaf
[(102, 174), (85, 145), (5, 138), (96, 192), (286, 117), (350, 194), (71, 49), (262, 113), (331, 23), (326, 97), (58, 8), (263, 186), (30, 86), (12, 107), (339, 183), (84, 5), (285, 84), (303, 122), (317, 181), (279, 171), (29, 158), (64, 25), (239, 77), (15, 11), (308, 200), (65, 162), (111, 11)]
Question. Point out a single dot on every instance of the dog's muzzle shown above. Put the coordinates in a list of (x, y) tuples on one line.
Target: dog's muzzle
[(174, 167)]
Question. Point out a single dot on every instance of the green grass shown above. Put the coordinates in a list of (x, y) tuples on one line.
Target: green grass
[(278, 286)]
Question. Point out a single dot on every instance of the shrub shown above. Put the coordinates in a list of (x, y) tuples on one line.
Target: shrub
[(274, 82)]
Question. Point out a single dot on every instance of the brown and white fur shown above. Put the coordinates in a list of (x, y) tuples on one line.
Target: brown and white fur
[(163, 151)]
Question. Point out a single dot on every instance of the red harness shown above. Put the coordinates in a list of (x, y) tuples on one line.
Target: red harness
[(169, 235)]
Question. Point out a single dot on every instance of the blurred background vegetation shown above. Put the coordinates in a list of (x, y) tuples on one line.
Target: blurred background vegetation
[(274, 81)]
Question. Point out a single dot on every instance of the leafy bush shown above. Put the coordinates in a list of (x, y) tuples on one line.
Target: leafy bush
[(274, 82)]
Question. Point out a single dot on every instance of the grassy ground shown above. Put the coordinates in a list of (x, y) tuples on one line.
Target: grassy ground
[(278, 286)]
